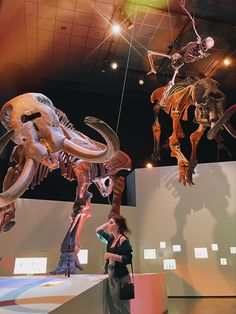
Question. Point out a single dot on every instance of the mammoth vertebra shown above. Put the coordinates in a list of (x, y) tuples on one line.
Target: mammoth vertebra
[(209, 103)]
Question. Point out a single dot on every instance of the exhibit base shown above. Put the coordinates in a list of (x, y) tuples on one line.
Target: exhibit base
[(150, 294), (85, 293)]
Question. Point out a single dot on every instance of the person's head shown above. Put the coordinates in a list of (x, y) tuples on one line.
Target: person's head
[(117, 223), (207, 43)]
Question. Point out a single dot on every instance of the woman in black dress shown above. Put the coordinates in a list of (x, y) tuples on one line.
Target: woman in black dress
[(118, 255)]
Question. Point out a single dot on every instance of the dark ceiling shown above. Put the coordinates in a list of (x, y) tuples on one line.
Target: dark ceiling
[(64, 48)]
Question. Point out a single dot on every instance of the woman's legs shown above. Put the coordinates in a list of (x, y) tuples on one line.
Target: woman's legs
[(112, 295), (116, 305)]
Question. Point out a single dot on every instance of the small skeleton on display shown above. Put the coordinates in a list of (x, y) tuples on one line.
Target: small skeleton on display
[(190, 53)]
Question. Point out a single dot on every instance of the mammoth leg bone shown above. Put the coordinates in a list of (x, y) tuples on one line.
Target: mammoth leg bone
[(194, 139), (85, 214), (7, 215), (118, 188), (68, 261), (70, 246), (176, 150), (82, 172), (156, 131)]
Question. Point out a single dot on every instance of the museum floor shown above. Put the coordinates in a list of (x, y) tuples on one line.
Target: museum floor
[(202, 305)]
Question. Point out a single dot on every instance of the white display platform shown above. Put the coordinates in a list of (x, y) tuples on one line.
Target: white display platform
[(77, 294), (53, 294)]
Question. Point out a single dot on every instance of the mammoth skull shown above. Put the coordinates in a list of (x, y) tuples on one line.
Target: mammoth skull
[(32, 122), (210, 101)]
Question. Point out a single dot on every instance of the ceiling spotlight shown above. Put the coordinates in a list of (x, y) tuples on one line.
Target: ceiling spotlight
[(226, 61), (114, 65), (149, 165), (141, 82), (116, 28)]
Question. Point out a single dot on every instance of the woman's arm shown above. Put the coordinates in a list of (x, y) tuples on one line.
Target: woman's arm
[(102, 227), (101, 234), (113, 257), (125, 253)]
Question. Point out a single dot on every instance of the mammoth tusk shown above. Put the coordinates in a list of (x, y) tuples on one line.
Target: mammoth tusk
[(222, 121), (230, 129), (91, 155), (20, 186), (5, 139)]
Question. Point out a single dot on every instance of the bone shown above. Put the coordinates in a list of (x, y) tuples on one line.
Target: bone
[(230, 129), (226, 116), (20, 186), (5, 139)]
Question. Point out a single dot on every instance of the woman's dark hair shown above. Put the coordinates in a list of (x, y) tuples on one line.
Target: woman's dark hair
[(121, 223)]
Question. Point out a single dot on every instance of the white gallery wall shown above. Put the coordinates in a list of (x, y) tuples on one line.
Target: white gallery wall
[(199, 220), (198, 223), (41, 227)]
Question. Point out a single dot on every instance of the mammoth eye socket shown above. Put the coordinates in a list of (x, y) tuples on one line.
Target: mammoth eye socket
[(106, 183), (25, 118)]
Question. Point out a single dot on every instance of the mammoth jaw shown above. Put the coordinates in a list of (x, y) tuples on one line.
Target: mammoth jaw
[(20, 186), (100, 153), (198, 116), (222, 121), (104, 189)]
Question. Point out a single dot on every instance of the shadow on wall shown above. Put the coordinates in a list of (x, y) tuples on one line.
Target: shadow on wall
[(211, 194)]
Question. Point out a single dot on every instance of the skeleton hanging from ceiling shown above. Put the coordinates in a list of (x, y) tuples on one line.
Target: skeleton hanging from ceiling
[(191, 52), (45, 140), (209, 104)]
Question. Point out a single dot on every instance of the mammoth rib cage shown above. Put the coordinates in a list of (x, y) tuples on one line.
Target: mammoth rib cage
[(41, 173), (63, 119)]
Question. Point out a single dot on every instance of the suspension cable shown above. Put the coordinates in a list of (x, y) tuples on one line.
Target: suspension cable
[(126, 71)]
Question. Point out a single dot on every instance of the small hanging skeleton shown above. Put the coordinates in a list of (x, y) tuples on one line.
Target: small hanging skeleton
[(190, 53)]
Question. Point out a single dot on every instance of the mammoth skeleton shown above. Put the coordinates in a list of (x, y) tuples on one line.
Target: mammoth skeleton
[(46, 140), (209, 103)]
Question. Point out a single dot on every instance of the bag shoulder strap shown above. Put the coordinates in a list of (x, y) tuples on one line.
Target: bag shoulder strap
[(132, 270), (131, 264)]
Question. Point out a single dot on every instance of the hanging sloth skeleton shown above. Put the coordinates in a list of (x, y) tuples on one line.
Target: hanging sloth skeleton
[(45, 140)]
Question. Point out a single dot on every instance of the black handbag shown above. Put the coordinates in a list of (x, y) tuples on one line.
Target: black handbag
[(127, 289)]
